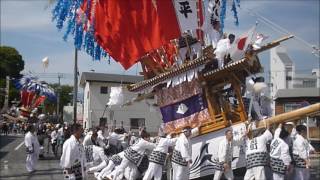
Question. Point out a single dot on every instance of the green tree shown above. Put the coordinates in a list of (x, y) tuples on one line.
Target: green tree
[(11, 64), (65, 97)]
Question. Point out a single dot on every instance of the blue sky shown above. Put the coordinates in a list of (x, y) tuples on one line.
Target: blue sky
[(26, 25)]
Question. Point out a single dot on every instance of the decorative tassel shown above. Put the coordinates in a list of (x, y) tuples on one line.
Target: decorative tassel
[(78, 38), (238, 3), (70, 28), (97, 52), (235, 13), (223, 13), (89, 42)]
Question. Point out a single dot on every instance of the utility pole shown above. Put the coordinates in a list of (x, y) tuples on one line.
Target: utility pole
[(58, 97), (75, 86)]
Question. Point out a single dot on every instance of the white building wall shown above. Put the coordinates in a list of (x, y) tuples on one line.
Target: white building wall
[(278, 74), (68, 113), (96, 106), (316, 72)]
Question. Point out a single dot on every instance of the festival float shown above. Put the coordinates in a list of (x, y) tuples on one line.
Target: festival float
[(33, 93), (180, 70)]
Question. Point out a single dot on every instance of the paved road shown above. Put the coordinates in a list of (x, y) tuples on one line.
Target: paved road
[(12, 162)]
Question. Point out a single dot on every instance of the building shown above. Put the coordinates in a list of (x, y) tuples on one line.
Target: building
[(284, 79), (291, 91), (287, 100), (97, 88), (68, 113)]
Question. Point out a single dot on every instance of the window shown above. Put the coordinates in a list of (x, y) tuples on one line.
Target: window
[(291, 106), (135, 123), (104, 90), (309, 83), (288, 78)]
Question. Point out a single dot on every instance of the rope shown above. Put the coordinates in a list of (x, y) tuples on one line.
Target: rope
[(281, 30)]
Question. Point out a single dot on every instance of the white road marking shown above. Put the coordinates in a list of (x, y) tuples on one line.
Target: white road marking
[(19, 146)]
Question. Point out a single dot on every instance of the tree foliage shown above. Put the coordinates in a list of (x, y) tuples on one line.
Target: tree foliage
[(65, 97), (11, 64)]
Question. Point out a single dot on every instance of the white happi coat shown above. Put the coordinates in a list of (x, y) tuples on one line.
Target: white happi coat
[(73, 155), (87, 140), (115, 138), (223, 48), (33, 149), (154, 169), (54, 136), (280, 155), (301, 147), (300, 150), (94, 154), (101, 139), (258, 144), (183, 146), (256, 156)]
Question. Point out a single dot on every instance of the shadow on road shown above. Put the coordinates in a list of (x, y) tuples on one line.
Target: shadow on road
[(5, 140), (3, 154), (36, 173)]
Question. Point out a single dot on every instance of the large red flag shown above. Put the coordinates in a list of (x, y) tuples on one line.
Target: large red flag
[(129, 29)]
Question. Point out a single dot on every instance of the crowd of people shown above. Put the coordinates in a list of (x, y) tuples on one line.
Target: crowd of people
[(117, 154), (13, 128), (281, 155)]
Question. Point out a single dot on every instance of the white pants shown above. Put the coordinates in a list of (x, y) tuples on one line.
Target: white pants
[(277, 176), (31, 161), (107, 170), (301, 174), (102, 165), (255, 173), (180, 172), (154, 170), (220, 63), (228, 174), (133, 170)]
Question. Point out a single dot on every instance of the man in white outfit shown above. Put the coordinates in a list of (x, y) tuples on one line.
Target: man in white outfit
[(90, 138), (182, 154), (301, 154), (225, 155), (158, 157), (279, 154), (257, 155), (54, 141), (113, 162), (133, 156), (73, 159), (223, 48), (32, 148)]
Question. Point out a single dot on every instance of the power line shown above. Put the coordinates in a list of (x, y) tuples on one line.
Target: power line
[(281, 30)]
